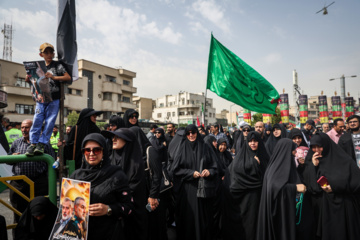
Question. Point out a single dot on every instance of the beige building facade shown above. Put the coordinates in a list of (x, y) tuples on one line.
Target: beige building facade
[(99, 87), (145, 107)]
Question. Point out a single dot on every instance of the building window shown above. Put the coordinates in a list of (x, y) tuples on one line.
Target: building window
[(126, 99), (107, 96), (106, 115), (126, 82), (111, 79), (181, 113), (119, 97), (24, 109), (78, 92), (173, 114), (20, 82), (67, 90), (161, 105), (210, 115), (66, 112), (159, 115), (168, 114)]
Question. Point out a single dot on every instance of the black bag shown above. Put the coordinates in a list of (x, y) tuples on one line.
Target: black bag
[(206, 186)]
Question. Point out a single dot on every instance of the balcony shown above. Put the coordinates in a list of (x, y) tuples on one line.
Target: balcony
[(127, 88), (13, 90), (111, 87), (128, 105)]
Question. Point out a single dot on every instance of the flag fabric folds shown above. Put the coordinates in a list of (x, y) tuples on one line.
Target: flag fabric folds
[(232, 79), (66, 45)]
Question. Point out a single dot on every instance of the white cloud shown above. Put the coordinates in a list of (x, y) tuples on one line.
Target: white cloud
[(197, 27), (211, 12), (279, 31)]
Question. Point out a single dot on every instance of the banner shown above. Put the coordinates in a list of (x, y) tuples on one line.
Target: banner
[(73, 217), (336, 107), (284, 107), (247, 116), (303, 108), (267, 118), (323, 110), (349, 110)]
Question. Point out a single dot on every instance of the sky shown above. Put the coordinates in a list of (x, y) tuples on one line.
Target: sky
[(166, 42)]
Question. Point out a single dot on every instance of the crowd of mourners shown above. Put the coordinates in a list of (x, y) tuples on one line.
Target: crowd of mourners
[(202, 182)]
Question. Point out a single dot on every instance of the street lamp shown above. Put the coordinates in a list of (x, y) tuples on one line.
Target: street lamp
[(342, 85)]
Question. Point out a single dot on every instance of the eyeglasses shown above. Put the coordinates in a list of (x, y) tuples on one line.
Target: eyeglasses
[(188, 133), (246, 130), (95, 150), (157, 132), (134, 116), (353, 122)]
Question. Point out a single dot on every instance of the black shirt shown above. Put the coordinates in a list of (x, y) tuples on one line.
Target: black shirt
[(56, 69)]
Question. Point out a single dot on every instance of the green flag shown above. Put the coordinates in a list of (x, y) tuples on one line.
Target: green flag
[(231, 78)]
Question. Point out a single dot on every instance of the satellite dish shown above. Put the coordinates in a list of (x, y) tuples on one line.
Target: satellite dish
[(324, 9)]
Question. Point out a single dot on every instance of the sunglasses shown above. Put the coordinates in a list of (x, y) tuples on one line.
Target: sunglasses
[(157, 132), (134, 116), (246, 130), (95, 150), (188, 133)]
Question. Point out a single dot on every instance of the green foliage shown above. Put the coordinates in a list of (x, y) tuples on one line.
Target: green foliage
[(276, 118), (257, 117), (101, 125), (72, 118)]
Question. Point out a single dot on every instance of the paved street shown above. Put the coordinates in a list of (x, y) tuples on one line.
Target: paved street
[(5, 211)]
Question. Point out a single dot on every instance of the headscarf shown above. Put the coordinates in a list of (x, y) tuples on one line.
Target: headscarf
[(277, 204), (158, 143), (268, 128), (84, 127), (142, 140), (118, 121), (245, 172), (209, 141), (272, 140), (341, 171), (225, 157), (127, 116), (99, 173), (241, 139), (31, 228), (297, 132)]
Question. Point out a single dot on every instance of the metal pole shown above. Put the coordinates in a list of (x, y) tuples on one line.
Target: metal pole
[(61, 127), (205, 109)]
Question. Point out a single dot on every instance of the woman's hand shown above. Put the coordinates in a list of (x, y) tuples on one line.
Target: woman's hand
[(205, 173), (153, 203), (301, 188), (315, 159), (98, 209), (327, 188), (257, 159), (196, 174)]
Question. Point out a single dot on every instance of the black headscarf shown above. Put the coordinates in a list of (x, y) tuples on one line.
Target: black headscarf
[(277, 205), (268, 128), (173, 148), (225, 157), (127, 116), (272, 140), (158, 143), (209, 141), (118, 121), (297, 132), (142, 140), (84, 127), (99, 173), (31, 228), (245, 172)]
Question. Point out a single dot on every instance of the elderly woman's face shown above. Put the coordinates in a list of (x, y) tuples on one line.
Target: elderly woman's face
[(191, 136), (118, 143), (222, 147), (93, 153)]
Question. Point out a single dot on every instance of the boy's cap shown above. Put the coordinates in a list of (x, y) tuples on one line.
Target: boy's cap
[(45, 46)]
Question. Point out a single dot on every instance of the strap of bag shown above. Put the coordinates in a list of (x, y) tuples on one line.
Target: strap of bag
[(73, 158), (147, 162)]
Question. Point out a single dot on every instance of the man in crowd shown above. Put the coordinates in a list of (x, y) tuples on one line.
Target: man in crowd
[(151, 133), (5, 122), (350, 141), (309, 125), (170, 128), (325, 127), (337, 131), (54, 139), (66, 213), (260, 128), (217, 134), (36, 171), (12, 134), (67, 133)]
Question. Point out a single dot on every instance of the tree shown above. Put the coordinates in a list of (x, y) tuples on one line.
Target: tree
[(276, 118), (257, 117), (72, 118)]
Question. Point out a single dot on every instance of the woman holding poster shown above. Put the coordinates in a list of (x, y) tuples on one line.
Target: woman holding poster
[(110, 196)]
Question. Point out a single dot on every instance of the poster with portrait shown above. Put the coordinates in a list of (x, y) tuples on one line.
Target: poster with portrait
[(73, 217), (301, 153), (39, 84), (356, 142)]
